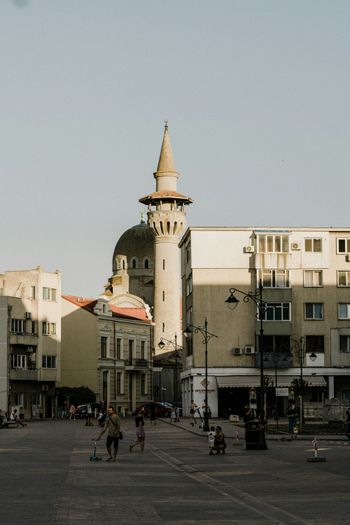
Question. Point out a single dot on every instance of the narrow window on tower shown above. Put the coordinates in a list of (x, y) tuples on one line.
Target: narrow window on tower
[(163, 295), (163, 328), (163, 264)]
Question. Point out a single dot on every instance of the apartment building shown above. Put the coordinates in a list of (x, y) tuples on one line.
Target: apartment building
[(305, 273), (30, 341), (106, 346)]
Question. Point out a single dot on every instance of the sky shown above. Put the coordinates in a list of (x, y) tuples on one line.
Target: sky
[(256, 93)]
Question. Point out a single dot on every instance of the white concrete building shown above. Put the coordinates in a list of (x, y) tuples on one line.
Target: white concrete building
[(306, 282), (30, 340)]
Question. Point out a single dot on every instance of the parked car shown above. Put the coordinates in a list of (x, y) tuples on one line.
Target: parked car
[(81, 412), (161, 409)]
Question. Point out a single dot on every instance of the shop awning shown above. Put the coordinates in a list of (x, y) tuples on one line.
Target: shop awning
[(238, 381), (254, 381)]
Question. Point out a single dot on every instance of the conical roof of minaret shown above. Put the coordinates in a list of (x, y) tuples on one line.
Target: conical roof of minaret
[(166, 162)]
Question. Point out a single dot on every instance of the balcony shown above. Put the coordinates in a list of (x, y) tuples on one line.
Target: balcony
[(24, 339), (137, 364), (21, 374), (275, 360)]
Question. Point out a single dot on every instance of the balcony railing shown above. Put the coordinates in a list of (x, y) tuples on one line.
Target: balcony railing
[(21, 374), (275, 359), (138, 363)]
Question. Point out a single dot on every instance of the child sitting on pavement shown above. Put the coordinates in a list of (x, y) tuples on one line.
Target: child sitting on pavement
[(211, 440)]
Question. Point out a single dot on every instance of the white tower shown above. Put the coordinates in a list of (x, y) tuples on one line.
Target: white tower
[(167, 218)]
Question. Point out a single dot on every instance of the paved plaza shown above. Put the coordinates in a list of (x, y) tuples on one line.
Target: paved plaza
[(46, 478)]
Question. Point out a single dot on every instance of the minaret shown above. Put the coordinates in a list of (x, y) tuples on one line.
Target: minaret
[(167, 218)]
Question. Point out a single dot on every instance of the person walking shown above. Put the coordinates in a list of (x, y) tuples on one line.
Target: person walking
[(193, 408), (173, 415), (292, 417), (112, 426), (89, 422), (16, 418), (140, 433), (72, 411)]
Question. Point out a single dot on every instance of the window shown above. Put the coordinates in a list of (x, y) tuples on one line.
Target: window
[(17, 326), (133, 263), (276, 343), (343, 279), (32, 326), (143, 384), (344, 311), (163, 295), (275, 278), (163, 264), (314, 311), (19, 361), (104, 341), (146, 264), (48, 328), (143, 350), (49, 294), (344, 343), (273, 243), (277, 312), (189, 285), (313, 278), (119, 382), (314, 343), (32, 292), (119, 348), (131, 349), (343, 245), (48, 361), (163, 327), (313, 245)]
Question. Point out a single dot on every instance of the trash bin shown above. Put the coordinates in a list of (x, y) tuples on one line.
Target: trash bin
[(255, 436)]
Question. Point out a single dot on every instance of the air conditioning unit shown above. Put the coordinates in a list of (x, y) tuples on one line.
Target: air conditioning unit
[(248, 249), (28, 315), (295, 246), (249, 350), (237, 351), (347, 257)]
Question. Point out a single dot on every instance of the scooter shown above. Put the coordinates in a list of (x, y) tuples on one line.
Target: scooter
[(94, 457)]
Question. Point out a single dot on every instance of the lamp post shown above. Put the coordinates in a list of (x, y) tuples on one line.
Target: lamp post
[(257, 298), (161, 345), (203, 330)]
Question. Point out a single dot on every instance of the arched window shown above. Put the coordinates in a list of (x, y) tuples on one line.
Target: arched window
[(133, 263), (146, 264)]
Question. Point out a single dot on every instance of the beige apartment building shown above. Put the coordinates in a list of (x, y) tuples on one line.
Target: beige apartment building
[(305, 274), (30, 341), (106, 346)]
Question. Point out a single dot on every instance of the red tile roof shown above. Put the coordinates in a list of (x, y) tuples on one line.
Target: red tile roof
[(130, 313), (83, 302), (127, 313)]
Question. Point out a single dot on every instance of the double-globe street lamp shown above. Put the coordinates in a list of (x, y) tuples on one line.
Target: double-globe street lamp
[(257, 298), (162, 343), (203, 330)]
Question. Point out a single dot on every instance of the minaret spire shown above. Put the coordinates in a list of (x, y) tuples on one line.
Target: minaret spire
[(166, 164)]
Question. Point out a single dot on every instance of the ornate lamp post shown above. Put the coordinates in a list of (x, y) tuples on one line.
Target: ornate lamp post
[(257, 298), (161, 345), (203, 330)]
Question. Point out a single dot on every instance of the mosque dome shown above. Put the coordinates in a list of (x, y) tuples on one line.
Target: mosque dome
[(137, 245)]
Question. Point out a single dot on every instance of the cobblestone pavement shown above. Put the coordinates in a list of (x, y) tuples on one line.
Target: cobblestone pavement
[(46, 478)]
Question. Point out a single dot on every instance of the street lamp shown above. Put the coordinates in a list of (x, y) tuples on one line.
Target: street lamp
[(162, 343), (203, 330), (261, 306)]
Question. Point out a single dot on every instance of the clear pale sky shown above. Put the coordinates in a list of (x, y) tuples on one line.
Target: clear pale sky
[(256, 94)]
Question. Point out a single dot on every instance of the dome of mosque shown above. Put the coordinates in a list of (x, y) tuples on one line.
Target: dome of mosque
[(137, 244)]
